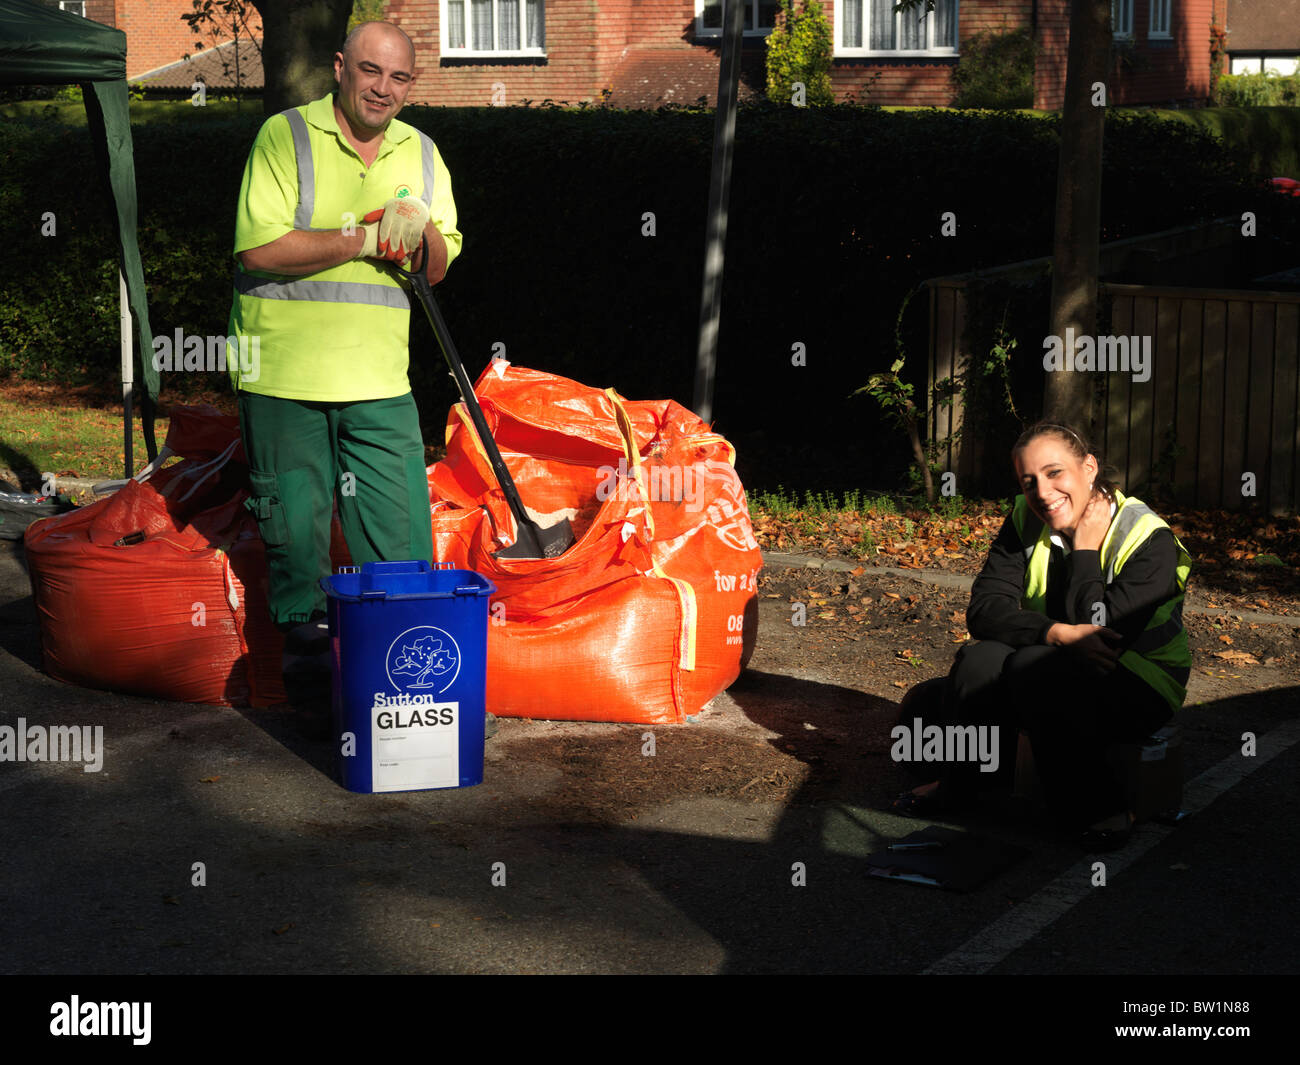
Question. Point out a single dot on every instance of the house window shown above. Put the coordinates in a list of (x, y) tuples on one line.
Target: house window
[(1121, 17), (760, 17), (73, 7), (1160, 12), (872, 27), (493, 27)]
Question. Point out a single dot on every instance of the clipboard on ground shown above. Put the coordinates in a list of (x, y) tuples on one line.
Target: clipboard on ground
[(944, 858)]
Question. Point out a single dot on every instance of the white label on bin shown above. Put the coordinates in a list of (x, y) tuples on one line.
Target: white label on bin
[(414, 746)]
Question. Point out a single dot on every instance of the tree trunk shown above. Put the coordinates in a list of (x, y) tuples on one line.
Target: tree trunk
[(299, 39), (1068, 396)]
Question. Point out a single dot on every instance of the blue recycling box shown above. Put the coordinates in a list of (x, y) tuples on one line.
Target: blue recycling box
[(409, 645)]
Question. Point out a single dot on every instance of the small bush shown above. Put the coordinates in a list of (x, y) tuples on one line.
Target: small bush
[(1259, 90), (799, 51), (995, 71)]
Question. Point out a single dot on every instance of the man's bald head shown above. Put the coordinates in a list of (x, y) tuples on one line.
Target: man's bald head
[(353, 39), (374, 73)]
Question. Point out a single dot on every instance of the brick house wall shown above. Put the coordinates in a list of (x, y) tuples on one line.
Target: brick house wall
[(922, 82), (155, 34), (591, 46), (101, 11), (1148, 71), (1053, 39), (1173, 70), (569, 71), (645, 53)]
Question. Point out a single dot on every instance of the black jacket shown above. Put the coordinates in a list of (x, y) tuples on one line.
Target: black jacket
[(1074, 584)]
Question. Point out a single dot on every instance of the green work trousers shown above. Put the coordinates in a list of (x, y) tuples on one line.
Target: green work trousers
[(302, 457)]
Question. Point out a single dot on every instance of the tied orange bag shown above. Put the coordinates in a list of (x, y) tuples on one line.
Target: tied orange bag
[(159, 589), (653, 611), (178, 610)]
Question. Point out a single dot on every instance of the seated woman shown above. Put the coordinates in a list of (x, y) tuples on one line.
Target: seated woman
[(1078, 614)]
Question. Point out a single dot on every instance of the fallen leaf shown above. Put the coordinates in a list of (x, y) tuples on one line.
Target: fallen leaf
[(282, 929), (1241, 657), (209, 780)]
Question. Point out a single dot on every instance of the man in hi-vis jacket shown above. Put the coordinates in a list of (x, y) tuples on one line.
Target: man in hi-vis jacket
[(332, 192)]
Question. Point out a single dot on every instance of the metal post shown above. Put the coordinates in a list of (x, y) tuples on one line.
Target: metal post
[(724, 133), (128, 373)]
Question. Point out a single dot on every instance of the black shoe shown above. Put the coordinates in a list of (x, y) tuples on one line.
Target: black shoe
[(309, 693), (1100, 840), (942, 800), (313, 665), (308, 639)]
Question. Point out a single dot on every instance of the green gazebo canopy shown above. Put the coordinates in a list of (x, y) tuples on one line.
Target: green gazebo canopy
[(43, 46)]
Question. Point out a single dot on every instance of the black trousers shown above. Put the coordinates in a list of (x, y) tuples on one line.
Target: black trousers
[(1069, 710)]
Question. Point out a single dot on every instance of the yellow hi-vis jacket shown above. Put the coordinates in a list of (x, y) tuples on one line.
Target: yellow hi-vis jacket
[(340, 334), (1160, 656)]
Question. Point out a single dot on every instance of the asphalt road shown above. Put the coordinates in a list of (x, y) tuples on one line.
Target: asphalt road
[(519, 876)]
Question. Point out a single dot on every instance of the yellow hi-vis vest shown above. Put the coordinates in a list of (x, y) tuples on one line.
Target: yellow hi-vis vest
[(1160, 656), (340, 334)]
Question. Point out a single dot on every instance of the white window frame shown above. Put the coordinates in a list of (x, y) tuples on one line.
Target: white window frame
[(716, 31), (73, 7), (448, 52), (1121, 19), (1162, 14), (896, 53)]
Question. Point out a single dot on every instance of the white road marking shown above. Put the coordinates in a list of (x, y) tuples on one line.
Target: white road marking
[(992, 944)]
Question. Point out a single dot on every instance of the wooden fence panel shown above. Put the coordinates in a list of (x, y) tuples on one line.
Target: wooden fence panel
[(1141, 411), (1284, 469), (1236, 398), (1259, 415), (1191, 315), (1209, 480), (1224, 389), (1118, 394), (1164, 386)]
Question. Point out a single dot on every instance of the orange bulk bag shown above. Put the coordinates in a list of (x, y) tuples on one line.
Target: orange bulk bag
[(167, 613), (179, 609), (652, 612)]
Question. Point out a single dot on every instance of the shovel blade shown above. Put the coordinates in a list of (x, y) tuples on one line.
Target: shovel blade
[(535, 542)]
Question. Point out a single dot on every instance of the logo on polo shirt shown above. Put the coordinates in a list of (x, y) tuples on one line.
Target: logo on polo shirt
[(402, 190)]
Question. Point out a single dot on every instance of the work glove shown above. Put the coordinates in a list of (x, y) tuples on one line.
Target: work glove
[(399, 226)]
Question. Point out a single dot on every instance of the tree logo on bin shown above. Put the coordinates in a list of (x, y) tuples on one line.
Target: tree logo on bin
[(423, 659)]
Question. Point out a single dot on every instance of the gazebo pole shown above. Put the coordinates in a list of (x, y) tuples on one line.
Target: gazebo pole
[(128, 373)]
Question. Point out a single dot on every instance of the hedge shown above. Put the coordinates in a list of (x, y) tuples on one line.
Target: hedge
[(1266, 89), (1265, 140), (835, 215)]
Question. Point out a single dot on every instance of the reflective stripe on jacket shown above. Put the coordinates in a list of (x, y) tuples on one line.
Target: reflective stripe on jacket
[(1160, 655), (339, 334)]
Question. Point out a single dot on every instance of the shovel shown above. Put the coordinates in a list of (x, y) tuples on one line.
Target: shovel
[(532, 541)]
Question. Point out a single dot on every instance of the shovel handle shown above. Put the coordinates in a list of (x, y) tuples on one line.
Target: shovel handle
[(420, 284)]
